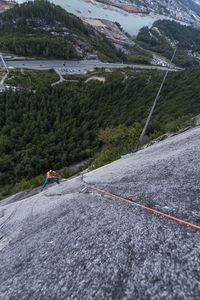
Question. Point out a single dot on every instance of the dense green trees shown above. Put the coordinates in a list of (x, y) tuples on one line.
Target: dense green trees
[(115, 142), (186, 38), (31, 79), (36, 43), (40, 28), (40, 13), (56, 126)]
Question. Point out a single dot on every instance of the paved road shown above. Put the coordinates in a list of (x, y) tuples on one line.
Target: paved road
[(72, 67), (61, 79), (63, 244), (3, 80)]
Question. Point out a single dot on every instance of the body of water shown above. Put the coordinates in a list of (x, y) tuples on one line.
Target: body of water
[(131, 23)]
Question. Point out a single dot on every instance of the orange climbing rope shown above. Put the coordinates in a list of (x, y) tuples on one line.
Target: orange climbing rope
[(135, 203)]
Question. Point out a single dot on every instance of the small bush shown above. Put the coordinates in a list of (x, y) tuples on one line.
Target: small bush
[(155, 134), (180, 122), (66, 172), (116, 141)]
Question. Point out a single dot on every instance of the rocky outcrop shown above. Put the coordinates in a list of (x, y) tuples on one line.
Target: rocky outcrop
[(70, 243), (4, 5)]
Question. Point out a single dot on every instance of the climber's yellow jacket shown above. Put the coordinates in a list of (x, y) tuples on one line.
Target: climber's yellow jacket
[(50, 174)]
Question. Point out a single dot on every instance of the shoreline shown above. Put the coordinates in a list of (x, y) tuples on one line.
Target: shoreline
[(130, 8)]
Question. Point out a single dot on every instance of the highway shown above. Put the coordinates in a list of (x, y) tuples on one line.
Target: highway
[(73, 67)]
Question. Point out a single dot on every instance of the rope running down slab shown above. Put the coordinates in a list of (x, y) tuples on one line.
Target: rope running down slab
[(135, 203)]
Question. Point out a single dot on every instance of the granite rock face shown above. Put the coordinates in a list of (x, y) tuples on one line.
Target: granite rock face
[(73, 243), (6, 4)]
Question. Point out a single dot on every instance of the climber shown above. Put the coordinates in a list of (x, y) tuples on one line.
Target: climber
[(51, 175)]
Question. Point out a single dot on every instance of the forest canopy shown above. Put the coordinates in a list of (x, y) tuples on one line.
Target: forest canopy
[(42, 29), (165, 35), (55, 126)]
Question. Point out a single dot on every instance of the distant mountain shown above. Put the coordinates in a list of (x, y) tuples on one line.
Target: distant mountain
[(43, 29)]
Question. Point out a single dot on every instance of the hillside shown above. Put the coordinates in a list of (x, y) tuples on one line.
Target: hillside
[(184, 10), (45, 30), (63, 244), (56, 126), (6, 4), (164, 35)]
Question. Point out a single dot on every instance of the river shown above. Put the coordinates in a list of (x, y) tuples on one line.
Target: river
[(130, 22)]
